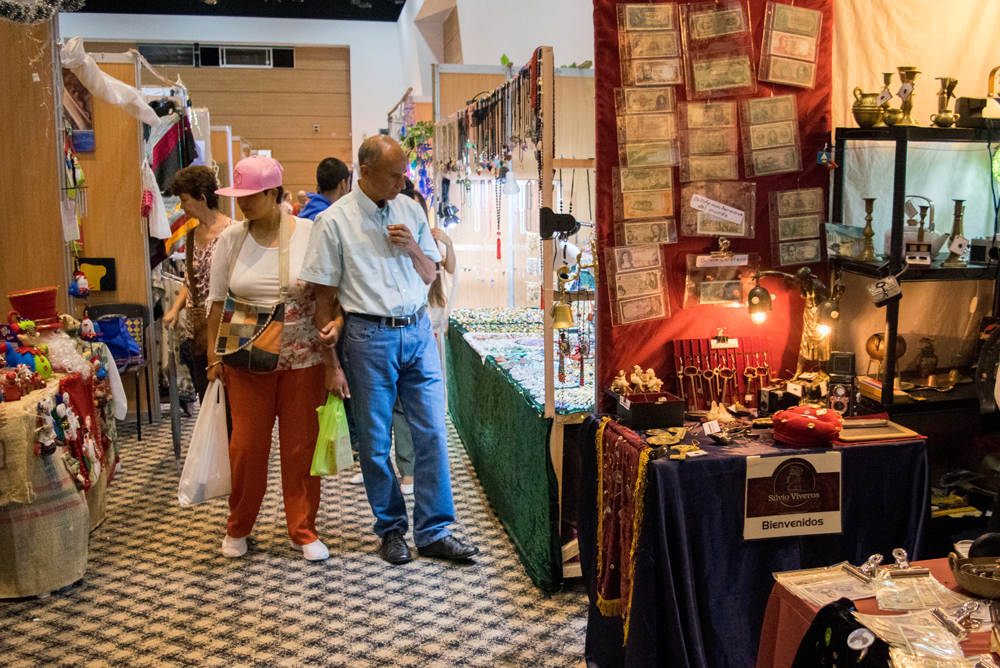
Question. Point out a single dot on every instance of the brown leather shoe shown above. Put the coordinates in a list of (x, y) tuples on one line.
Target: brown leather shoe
[(394, 549), (450, 548)]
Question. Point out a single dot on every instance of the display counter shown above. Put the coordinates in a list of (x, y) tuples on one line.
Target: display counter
[(495, 366), (699, 591)]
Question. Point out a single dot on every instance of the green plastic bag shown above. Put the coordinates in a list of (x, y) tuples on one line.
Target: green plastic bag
[(333, 447)]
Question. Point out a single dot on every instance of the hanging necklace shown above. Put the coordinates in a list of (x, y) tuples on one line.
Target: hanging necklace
[(498, 196)]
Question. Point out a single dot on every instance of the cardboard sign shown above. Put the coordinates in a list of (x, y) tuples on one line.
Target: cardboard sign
[(792, 496)]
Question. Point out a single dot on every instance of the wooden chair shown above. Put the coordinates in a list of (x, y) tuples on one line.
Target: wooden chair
[(137, 319)]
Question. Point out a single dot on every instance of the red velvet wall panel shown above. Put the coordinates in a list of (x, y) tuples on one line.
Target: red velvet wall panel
[(645, 343)]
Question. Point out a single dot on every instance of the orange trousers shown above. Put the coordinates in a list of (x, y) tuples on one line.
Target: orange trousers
[(255, 399)]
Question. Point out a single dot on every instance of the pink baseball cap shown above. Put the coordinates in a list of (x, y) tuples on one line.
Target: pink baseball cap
[(253, 175)]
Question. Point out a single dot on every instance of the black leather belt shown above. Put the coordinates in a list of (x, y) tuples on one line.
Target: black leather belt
[(395, 322)]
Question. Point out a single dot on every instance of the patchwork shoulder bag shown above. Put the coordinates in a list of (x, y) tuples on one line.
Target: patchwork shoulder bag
[(250, 334)]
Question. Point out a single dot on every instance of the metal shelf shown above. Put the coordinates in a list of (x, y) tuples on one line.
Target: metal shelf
[(901, 138), (936, 272), (918, 133)]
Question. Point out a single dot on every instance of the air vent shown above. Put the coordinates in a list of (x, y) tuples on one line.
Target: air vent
[(245, 56), (168, 55)]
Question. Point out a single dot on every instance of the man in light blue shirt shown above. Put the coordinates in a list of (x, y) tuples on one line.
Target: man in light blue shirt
[(374, 254)]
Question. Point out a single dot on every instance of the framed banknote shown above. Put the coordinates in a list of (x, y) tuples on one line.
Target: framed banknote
[(770, 130), (623, 260), (644, 17), (650, 307), (796, 215), (717, 281), (709, 168), (650, 44), (704, 115), (644, 204), (652, 72), (799, 252), (637, 284), (645, 100), (636, 179), (645, 232), (790, 48), (716, 43), (718, 209), (648, 154), (645, 127)]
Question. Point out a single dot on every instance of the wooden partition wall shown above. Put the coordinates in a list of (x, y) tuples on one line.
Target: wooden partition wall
[(275, 109), (484, 278), (32, 253)]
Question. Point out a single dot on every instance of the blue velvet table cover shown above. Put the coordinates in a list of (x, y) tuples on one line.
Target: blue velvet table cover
[(699, 590)]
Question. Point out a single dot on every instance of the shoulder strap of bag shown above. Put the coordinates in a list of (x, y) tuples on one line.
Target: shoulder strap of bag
[(284, 239), (192, 280)]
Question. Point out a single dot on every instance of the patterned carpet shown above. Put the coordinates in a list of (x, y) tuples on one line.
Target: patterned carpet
[(158, 592)]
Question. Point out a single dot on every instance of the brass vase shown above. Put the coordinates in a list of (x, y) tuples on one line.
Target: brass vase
[(868, 253), (887, 78), (954, 259), (908, 75), (866, 112), (945, 117)]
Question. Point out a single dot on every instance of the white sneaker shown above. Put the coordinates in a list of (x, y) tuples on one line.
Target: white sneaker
[(314, 551), (358, 479), (407, 489), (234, 547)]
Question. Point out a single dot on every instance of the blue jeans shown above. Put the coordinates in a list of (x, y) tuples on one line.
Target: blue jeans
[(381, 362)]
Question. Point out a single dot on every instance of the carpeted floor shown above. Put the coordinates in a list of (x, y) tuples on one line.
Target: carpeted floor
[(158, 592)]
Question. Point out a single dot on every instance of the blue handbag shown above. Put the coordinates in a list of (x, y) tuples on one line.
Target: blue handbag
[(114, 333)]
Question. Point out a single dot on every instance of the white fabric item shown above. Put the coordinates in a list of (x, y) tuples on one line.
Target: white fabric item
[(875, 36), (105, 86), (256, 276), (71, 227), (159, 226)]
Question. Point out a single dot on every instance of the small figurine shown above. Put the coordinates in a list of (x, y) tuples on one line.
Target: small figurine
[(653, 384), (620, 384), (87, 331), (80, 287), (637, 378), (70, 324), (11, 388), (72, 426), (45, 438), (30, 352)]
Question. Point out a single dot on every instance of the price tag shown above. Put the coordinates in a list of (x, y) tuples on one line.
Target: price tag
[(884, 290), (734, 261), (794, 388), (696, 453), (626, 404), (910, 210), (959, 245), (883, 97), (824, 157), (904, 91), (712, 427)]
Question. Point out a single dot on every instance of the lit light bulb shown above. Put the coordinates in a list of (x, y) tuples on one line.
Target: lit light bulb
[(824, 330), (759, 318)]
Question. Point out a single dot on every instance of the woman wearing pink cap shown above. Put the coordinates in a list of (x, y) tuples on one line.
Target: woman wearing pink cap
[(246, 266)]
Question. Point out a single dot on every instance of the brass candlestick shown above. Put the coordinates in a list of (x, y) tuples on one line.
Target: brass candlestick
[(945, 117), (887, 77), (908, 75), (954, 259), (868, 253), (923, 215)]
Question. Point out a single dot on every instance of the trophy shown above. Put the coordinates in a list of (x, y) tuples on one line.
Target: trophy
[(955, 259), (868, 253), (945, 118), (908, 75)]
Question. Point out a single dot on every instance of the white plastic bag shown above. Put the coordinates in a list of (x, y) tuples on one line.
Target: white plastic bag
[(206, 467)]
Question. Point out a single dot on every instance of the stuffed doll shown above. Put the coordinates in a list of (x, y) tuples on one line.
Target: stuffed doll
[(30, 353), (45, 434), (80, 287)]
